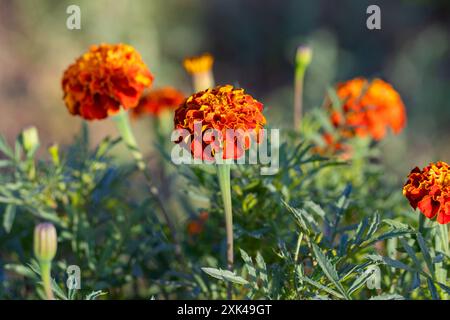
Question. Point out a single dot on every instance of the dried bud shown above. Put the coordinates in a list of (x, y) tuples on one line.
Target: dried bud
[(45, 242)]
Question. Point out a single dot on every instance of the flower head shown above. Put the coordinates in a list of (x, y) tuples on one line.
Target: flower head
[(199, 64), (226, 117), (196, 226), (104, 79), (45, 241), (368, 109), (429, 190), (155, 101), (332, 145)]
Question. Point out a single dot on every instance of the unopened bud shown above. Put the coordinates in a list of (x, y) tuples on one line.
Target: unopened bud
[(30, 139), (45, 242), (54, 153), (303, 57)]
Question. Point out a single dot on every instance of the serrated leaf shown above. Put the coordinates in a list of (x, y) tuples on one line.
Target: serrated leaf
[(328, 269), (359, 282), (322, 287), (225, 275), (262, 271)]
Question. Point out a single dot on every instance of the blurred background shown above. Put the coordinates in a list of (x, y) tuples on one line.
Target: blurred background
[(253, 42)]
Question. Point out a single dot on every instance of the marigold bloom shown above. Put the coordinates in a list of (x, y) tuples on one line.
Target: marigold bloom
[(196, 226), (202, 63), (228, 110), (429, 190), (103, 79), (200, 68), (155, 101), (333, 146), (369, 108)]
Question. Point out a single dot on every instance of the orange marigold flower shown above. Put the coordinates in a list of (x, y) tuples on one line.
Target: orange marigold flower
[(155, 101), (369, 108), (103, 79), (429, 190), (196, 226), (333, 146), (232, 113), (202, 63)]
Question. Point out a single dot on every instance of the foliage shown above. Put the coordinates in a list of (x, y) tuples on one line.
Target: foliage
[(306, 232)]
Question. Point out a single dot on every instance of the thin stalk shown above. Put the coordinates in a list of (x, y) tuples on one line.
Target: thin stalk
[(47, 279), (223, 174), (124, 128), (203, 80), (298, 96)]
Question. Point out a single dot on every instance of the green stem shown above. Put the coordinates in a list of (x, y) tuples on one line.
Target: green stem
[(123, 125), (47, 279), (298, 96), (223, 174)]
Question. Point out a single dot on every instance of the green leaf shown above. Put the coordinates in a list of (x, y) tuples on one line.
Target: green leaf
[(396, 225), (322, 287), (5, 148), (328, 269), (262, 271), (388, 297), (8, 217), (425, 252), (225, 275), (397, 264), (95, 294), (410, 251), (374, 224), (433, 290), (359, 282), (58, 291)]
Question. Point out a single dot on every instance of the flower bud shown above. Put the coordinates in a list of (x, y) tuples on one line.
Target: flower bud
[(30, 140), (303, 57), (54, 153), (45, 242)]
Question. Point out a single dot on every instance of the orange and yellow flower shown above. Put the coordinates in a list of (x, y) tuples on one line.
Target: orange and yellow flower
[(198, 64), (333, 146), (368, 109), (200, 68), (429, 190), (158, 100), (104, 79), (229, 111)]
